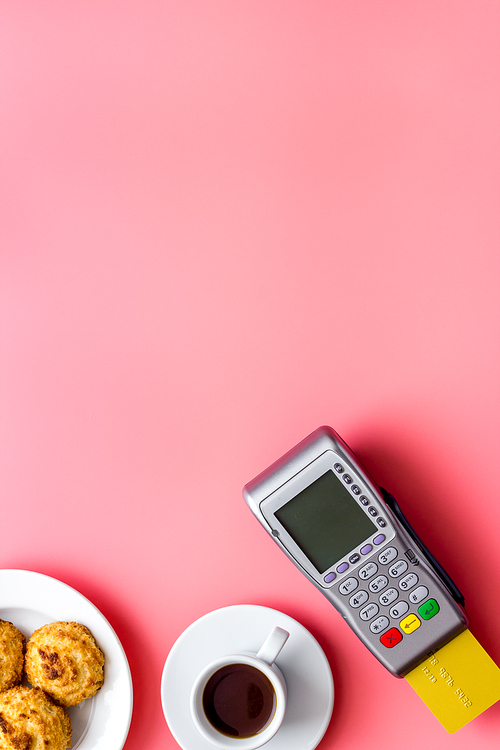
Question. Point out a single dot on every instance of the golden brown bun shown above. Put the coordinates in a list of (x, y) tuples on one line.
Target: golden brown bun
[(29, 720), (12, 644), (63, 659)]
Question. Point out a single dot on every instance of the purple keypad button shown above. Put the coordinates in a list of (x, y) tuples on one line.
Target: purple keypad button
[(379, 539), (330, 577), (342, 567), (366, 549)]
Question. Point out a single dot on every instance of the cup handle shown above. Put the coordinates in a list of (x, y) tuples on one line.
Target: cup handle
[(273, 645)]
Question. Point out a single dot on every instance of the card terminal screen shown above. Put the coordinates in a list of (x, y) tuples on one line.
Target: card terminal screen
[(325, 521)]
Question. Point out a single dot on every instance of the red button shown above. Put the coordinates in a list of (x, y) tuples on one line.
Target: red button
[(391, 638)]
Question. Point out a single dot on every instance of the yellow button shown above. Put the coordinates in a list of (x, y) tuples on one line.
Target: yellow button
[(409, 624)]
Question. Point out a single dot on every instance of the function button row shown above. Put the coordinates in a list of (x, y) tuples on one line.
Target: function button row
[(354, 558), (408, 625), (371, 510), (347, 478), (388, 555), (357, 491)]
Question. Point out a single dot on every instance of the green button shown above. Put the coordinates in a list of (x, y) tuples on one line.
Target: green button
[(428, 609)]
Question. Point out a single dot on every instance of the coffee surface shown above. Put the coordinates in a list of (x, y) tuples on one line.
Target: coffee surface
[(239, 700)]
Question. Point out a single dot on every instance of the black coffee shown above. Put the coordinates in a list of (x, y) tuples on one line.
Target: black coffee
[(239, 700)]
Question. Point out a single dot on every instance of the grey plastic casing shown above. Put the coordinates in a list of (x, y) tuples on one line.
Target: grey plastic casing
[(295, 471)]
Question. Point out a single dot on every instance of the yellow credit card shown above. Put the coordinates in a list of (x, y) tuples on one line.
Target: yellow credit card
[(458, 682)]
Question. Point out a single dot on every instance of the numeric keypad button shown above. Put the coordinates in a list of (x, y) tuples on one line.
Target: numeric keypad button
[(367, 571), (368, 612), (399, 567), (388, 555), (408, 582), (358, 599), (378, 584), (419, 594), (388, 597), (348, 586), (380, 624), (399, 609)]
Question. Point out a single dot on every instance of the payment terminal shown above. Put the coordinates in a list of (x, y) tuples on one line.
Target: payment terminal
[(351, 540)]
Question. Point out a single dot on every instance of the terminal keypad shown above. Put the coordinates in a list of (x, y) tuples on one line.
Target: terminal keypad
[(386, 594)]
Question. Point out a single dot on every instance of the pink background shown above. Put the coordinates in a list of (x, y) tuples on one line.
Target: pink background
[(223, 224)]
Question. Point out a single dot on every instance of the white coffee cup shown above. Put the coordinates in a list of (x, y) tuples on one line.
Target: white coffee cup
[(239, 700)]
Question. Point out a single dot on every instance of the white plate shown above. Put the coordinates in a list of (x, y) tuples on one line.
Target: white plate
[(30, 600), (244, 627)]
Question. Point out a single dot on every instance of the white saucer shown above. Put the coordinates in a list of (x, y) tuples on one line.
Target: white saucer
[(239, 628), (30, 600)]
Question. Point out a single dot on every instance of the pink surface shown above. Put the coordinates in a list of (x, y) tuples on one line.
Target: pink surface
[(222, 225)]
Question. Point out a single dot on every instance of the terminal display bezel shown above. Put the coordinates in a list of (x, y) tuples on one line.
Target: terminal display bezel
[(360, 495)]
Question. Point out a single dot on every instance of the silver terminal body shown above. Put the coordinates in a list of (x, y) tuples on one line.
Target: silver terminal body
[(323, 509)]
